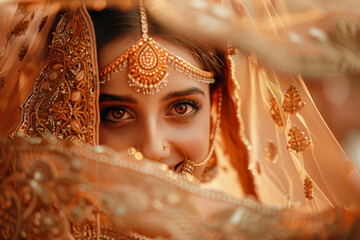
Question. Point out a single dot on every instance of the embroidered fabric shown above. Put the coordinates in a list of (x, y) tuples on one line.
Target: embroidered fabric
[(67, 190), (292, 153), (58, 190)]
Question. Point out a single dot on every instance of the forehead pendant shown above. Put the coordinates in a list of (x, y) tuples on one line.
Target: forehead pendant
[(147, 66), (147, 63)]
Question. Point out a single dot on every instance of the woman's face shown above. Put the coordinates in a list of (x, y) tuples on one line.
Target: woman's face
[(177, 117)]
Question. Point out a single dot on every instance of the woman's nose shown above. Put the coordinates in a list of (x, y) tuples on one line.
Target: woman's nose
[(153, 141)]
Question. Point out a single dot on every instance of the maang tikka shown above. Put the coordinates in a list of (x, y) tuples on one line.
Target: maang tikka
[(147, 63)]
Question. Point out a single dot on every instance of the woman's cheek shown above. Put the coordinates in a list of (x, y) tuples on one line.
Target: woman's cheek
[(117, 139), (194, 142)]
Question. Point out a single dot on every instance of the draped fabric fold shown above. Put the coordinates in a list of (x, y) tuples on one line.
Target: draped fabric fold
[(52, 193), (281, 173)]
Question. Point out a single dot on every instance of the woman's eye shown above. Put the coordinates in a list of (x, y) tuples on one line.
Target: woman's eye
[(182, 108), (115, 115)]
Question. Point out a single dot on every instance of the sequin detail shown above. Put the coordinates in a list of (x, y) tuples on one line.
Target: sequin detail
[(292, 101), (62, 102), (187, 168), (298, 141), (20, 28), (147, 67), (275, 112), (42, 23), (10, 213), (308, 188), (22, 52), (147, 64)]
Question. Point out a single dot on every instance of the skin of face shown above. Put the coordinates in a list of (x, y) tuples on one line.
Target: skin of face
[(178, 116)]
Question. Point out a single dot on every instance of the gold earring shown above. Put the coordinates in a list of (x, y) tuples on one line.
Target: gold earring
[(187, 168), (216, 130)]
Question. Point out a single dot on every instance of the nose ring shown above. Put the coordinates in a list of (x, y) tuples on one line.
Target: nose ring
[(187, 166)]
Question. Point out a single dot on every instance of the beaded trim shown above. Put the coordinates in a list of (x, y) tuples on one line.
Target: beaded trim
[(147, 64), (63, 99)]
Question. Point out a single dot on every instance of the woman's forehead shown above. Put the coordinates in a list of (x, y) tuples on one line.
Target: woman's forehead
[(118, 46), (175, 81)]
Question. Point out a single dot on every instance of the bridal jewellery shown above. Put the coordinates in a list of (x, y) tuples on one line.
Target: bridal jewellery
[(147, 63), (188, 166)]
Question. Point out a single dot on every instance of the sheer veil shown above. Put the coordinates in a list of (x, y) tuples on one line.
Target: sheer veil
[(292, 151), (282, 174)]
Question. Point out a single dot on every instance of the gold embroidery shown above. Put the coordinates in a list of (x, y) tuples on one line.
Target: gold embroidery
[(147, 66), (84, 231), (42, 23), (147, 60), (62, 100), (40, 202), (298, 141), (10, 214), (275, 112), (47, 224), (88, 231), (20, 28), (46, 221), (293, 101), (2, 82), (49, 214), (22, 52), (308, 188), (231, 50), (187, 168), (271, 153)]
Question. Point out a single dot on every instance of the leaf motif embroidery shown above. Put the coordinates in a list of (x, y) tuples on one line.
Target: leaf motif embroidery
[(298, 141), (20, 28), (293, 101), (22, 52), (275, 112), (308, 188), (42, 23)]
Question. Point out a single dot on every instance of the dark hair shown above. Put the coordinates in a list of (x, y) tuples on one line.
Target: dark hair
[(112, 23)]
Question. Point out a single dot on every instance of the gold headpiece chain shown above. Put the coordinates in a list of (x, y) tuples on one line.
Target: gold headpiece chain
[(147, 63), (188, 166)]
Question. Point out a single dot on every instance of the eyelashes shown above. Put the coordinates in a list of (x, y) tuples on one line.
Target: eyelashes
[(194, 103), (115, 114), (183, 110)]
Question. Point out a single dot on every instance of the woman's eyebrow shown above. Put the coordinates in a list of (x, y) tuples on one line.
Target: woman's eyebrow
[(186, 92), (122, 98)]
